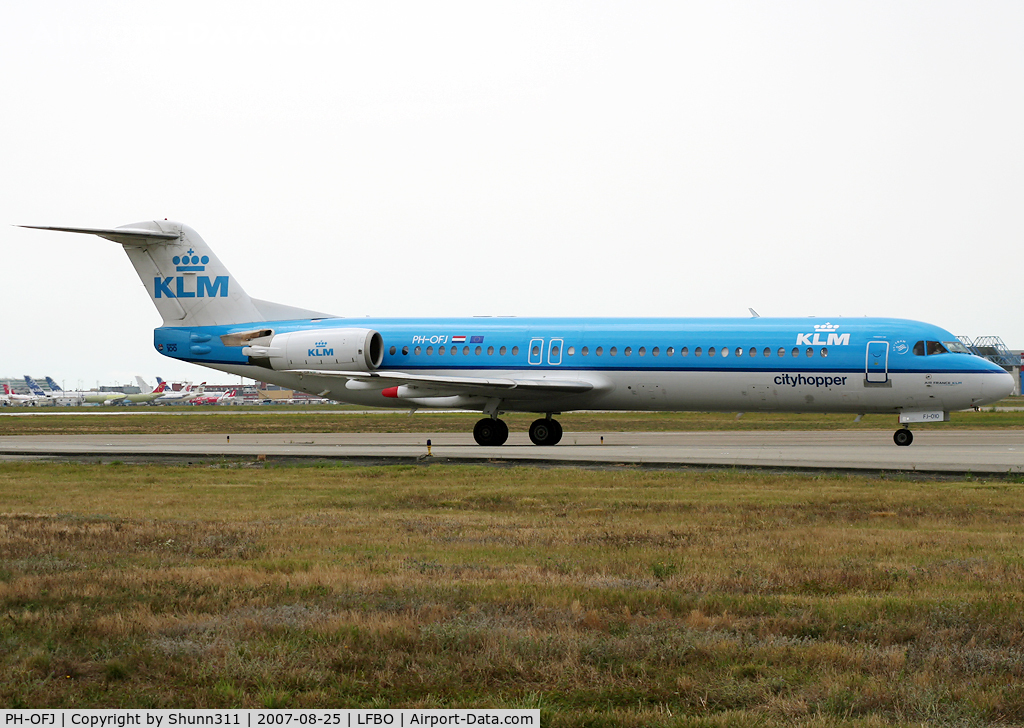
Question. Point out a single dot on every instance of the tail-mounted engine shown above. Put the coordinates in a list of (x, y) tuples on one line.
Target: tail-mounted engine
[(322, 349)]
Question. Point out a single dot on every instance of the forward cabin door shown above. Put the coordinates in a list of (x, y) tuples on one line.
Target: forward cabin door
[(877, 366)]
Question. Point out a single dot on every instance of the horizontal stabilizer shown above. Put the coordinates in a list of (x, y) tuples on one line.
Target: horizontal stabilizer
[(118, 235)]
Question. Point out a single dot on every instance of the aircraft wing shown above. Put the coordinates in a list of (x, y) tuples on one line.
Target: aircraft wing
[(429, 385)]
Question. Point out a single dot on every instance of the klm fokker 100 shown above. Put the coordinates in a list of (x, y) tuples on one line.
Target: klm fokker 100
[(552, 365)]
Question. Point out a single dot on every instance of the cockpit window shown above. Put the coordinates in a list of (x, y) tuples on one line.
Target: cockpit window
[(919, 349), (956, 347), (936, 347)]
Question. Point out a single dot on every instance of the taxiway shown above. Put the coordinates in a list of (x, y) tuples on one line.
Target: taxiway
[(954, 451)]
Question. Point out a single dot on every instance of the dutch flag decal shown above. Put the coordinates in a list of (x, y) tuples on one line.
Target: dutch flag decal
[(458, 339)]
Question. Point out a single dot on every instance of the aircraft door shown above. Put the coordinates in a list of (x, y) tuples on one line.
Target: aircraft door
[(876, 369), (536, 351), (555, 352)]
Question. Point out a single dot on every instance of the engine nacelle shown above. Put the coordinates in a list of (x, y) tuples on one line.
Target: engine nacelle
[(351, 350)]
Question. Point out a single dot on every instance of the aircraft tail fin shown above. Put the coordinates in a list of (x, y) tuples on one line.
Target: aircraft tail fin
[(53, 385), (160, 387), (184, 278), (33, 387), (143, 386)]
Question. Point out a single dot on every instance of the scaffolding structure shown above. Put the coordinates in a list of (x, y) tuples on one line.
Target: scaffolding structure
[(993, 349)]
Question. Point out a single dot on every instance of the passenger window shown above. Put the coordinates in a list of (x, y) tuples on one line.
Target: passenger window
[(465, 351), (430, 350), (571, 351), (417, 351), (628, 351), (392, 350), (669, 351), (782, 351), (641, 351), (515, 351), (405, 351), (767, 351), (686, 352), (824, 351), (935, 347), (585, 350), (919, 348), (697, 351), (440, 351), (725, 351), (613, 351), (599, 350), (810, 351), (478, 350), (501, 351), (711, 351), (490, 351), (535, 351), (753, 351), (554, 352), (739, 351), (796, 351), (654, 351)]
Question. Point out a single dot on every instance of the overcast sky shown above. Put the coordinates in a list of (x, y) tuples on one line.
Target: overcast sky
[(447, 159)]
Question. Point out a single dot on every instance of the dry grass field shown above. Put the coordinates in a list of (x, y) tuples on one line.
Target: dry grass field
[(603, 597)]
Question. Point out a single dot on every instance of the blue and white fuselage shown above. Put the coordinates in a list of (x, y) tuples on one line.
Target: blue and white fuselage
[(552, 365)]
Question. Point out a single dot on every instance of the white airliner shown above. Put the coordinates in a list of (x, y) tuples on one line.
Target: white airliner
[(183, 396), (63, 396), (11, 397), (915, 370)]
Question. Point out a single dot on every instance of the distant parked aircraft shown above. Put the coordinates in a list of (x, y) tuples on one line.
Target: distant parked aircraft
[(185, 396), (10, 397)]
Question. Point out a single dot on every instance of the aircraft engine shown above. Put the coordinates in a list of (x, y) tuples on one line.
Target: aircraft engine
[(349, 350)]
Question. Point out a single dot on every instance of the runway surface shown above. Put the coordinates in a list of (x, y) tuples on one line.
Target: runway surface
[(957, 451)]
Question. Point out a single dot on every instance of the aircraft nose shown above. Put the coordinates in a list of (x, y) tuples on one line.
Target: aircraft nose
[(999, 386)]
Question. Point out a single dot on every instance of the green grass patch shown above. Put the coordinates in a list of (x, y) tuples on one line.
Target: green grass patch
[(601, 597)]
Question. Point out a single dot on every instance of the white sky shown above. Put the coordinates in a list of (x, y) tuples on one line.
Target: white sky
[(446, 159)]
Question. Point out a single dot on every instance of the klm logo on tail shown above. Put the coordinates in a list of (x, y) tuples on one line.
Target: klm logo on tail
[(191, 263), (205, 288)]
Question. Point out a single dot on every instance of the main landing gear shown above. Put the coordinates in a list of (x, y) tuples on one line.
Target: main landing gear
[(545, 432), (903, 437), (492, 431)]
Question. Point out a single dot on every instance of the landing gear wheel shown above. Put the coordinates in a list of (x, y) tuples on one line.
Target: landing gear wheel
[(903, 437), (545, 432), (490, 432)]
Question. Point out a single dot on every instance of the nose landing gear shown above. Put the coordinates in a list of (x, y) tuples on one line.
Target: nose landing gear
[(903, 437)]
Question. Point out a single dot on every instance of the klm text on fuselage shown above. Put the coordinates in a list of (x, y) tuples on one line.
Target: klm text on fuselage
[(205, 288)]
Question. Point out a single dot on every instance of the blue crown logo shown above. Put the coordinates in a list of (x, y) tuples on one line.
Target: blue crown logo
[(190, 261), (320, 344)]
